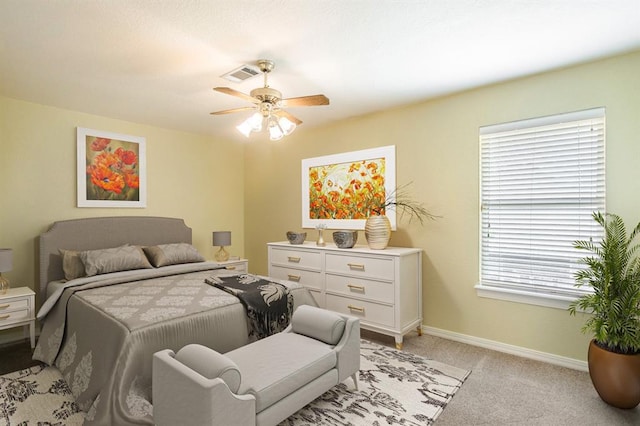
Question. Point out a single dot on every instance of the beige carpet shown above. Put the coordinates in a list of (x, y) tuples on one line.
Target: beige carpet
[(395, 388), (510, 390)]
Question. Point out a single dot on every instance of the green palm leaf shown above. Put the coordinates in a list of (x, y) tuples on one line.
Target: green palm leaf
[(613, 272)]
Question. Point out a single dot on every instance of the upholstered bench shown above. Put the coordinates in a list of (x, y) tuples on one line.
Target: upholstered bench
[(262, 383)]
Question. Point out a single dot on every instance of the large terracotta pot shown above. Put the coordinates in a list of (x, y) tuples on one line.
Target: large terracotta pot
[(377, 231), (616, 377)]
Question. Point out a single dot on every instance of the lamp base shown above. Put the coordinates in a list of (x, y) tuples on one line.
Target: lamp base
[(221, 255), (4, 284)]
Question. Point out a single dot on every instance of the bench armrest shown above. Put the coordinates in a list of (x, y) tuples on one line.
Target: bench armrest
[(319, 324)]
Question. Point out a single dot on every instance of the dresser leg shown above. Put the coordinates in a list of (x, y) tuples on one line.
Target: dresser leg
[(419, 328), (399, 343)]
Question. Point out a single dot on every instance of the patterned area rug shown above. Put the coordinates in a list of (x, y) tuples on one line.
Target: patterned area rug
[(395, 388)]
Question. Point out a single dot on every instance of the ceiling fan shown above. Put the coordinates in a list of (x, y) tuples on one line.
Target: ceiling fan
[(268, 107)]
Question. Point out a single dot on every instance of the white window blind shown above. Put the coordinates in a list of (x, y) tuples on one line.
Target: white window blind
[(541, 180)]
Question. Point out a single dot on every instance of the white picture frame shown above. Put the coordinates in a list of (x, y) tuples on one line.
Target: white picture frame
[(111, 169), (329, 180)]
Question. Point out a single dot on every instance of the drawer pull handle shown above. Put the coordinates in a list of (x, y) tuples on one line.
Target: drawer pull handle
[(294, 277), (5, 306), (355, 287), (358, 266), (4, 316), (355, 308), (230, 268), (293, 259)]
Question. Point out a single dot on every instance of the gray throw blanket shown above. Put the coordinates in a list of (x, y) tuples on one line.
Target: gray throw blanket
[(269, 305)]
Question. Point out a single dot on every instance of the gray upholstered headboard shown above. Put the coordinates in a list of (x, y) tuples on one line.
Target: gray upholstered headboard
[(103, 232)]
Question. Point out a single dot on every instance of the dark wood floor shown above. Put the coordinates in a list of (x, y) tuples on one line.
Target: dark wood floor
[(16, 356)]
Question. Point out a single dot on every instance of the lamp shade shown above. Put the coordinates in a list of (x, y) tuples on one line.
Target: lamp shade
[(6, 260), (222, 238)]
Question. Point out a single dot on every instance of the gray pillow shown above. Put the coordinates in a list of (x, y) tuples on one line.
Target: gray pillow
[(72, 264), (172, 254), (116, 259)]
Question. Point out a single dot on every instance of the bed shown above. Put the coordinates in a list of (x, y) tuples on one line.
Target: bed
[(101, 330)]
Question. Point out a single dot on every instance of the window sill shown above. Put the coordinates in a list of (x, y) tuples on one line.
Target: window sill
[(521, 296)]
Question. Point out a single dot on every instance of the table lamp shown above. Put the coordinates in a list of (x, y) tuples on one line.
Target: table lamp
[(6, 263), (222, 239)]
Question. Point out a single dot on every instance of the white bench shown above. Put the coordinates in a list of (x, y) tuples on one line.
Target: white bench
[(261, 383)]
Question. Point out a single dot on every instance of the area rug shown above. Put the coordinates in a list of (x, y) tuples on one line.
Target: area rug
[(395, 388)]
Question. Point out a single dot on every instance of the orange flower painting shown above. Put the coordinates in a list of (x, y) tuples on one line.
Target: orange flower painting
[(112, 169), (340, 191), (346, 190)]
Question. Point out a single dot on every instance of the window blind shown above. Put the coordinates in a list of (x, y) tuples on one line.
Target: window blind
[(541, 180)]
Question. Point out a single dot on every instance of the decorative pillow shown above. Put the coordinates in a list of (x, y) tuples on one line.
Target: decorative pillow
[(116, 259), (72, 264), (172, 254)]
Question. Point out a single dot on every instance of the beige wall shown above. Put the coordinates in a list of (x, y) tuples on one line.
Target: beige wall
[(437, 149), (258, 197), (38, 179)]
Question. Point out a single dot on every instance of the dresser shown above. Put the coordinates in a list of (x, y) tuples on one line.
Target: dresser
[(383, 288)]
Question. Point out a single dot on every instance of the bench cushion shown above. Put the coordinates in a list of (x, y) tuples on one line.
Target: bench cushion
[(270, 373)]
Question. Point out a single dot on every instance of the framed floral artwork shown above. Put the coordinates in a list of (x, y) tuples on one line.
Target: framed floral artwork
[(111, 169), (338, 190)]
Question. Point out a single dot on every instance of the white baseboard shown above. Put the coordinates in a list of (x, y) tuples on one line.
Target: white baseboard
[(509, 349)]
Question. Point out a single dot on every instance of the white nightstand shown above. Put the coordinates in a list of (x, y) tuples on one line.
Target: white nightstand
[(240, 266), (17, 307)]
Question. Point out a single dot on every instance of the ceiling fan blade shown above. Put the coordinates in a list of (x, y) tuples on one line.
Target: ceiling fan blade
[(284, 113), (232, 92), (229, 111), (312, 100)]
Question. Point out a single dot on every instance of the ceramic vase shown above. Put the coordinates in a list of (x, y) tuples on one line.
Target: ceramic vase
[(377, 231), (616, 377)]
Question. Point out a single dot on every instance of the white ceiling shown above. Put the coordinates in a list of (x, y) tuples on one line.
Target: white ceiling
[(155, 62)]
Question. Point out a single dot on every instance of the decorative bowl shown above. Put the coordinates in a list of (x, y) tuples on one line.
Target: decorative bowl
[(296, 237), (345, 239)]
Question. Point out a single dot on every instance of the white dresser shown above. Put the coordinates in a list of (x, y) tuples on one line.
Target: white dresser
[(381, 287)]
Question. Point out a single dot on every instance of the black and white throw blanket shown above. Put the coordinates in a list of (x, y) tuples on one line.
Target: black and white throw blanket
[(269, 305)]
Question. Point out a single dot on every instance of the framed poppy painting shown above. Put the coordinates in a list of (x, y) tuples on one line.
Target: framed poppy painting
[(340, 190), (111, 169)]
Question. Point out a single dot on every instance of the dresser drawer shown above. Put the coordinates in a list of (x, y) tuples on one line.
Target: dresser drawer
[(11, 317), (373, 267), (13, 305), (240, 268), (310, 279), (370, 312), (296, 258), (381, 291)]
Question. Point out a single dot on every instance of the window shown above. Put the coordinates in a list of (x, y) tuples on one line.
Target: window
[(541, 180)]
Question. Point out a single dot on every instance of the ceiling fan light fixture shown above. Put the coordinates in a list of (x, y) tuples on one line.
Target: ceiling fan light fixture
[(255, 121), (268, 105), (275, 131), (286, 125), (244, 128)]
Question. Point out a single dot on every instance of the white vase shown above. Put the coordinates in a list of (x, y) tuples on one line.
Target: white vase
[(377, 231)]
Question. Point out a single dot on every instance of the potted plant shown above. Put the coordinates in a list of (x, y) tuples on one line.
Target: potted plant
[(377, 228), (613, 272)]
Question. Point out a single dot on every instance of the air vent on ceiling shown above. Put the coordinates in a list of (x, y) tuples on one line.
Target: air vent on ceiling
[(243, 73)]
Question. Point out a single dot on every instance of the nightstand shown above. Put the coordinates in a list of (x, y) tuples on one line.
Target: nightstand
[(240, 266), (17, 307)]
